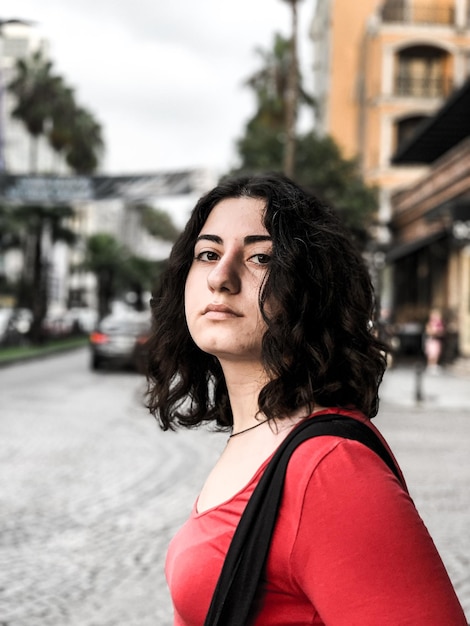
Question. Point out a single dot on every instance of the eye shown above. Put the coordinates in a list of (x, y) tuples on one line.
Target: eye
[(261, 259), (206, 256)]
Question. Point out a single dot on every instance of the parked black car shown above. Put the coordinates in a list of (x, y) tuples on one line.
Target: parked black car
[(119, 339)]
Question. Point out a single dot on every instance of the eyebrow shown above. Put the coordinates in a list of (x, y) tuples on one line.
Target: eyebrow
[(249, 239)]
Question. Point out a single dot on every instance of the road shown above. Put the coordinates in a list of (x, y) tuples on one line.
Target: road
[(92, 491), (431, 440)]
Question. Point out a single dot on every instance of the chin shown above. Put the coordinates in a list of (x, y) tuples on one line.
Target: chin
[(230, 355), (228, 347)]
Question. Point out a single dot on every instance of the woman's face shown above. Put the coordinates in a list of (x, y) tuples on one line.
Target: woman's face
[(231, 258)]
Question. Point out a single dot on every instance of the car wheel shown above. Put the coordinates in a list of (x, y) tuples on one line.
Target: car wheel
[(96, 362)]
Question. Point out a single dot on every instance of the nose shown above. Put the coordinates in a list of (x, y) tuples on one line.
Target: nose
[(225, 275)]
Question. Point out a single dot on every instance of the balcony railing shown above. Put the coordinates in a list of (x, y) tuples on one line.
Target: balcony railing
[(424, 87), (417, 14)]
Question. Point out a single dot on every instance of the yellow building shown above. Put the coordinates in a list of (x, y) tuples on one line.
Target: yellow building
[(430, 255), (381, 69)]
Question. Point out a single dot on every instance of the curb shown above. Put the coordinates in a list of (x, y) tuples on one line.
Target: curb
[(42, 353)]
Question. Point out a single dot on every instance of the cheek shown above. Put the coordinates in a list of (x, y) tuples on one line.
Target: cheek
[(193, 301), (188, 299)]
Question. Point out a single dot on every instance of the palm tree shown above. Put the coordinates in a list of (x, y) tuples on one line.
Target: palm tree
[(4, 22), (85, 143), (292, 96), (63, 110), (265, 140), (46, 105), (158, 223), (270, 84), (35, 88), (105, 257), (11, 228), (43, 226)]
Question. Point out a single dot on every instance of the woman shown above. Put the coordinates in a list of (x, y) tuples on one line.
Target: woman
[(434, 339), (263, 320)]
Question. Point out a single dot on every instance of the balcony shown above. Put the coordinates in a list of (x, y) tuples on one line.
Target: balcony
[(417, 13), (422, 87)]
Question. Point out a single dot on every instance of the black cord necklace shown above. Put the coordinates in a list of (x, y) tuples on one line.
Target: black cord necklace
[(245, 430)]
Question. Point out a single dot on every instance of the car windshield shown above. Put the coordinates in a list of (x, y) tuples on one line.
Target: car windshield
[(123, 325)]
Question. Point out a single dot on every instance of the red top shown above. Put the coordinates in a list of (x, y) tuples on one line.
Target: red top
[(349, 548)]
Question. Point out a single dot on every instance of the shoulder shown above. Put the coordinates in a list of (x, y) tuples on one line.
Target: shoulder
[(352, 510), (328, 461), (316, 448)]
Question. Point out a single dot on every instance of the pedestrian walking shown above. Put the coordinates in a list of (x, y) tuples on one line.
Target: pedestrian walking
[(434, 339), (264, 326)]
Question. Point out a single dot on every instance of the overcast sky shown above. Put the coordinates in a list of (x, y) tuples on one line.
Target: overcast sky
[(164, 78)]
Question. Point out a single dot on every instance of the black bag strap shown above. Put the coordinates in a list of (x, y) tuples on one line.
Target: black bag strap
[(243, 567)]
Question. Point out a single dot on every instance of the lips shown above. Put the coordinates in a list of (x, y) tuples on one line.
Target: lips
[(220, 310)]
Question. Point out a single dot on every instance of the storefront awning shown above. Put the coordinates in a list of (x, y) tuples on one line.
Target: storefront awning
[(404, 249), (438, 134)]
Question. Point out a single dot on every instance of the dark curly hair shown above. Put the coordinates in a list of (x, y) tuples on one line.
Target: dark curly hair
[(320, 346)]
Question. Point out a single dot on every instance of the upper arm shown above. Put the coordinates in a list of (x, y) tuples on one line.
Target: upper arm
[(362, 553)]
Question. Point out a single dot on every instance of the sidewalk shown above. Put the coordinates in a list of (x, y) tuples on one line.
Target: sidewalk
[(407, 385), (21, 354)]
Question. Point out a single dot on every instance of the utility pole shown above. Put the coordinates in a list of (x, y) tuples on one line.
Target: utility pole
[(291, 97)]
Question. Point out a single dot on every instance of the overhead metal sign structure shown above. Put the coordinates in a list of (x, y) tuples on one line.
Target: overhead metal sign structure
[(60, 190)]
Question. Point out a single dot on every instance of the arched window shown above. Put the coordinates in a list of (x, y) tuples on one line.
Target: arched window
[(420, 72)]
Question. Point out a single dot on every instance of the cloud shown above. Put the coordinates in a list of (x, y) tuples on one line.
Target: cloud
[(165, 79)]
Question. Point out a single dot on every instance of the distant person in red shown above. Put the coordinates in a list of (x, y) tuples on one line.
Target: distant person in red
[(434, 339), (264, 318)]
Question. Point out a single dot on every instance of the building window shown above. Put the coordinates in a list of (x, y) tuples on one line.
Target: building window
[(421, 72), (422, 12), (406, 128)]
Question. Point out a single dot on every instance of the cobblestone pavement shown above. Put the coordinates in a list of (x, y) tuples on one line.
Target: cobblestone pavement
[(431, 440), (92, 491)]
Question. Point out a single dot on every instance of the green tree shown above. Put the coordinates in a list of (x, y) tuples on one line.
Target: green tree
[(85, 144), (319, 164), (271, 84), (158, 223), (34, 230), (321, 167), (63, 109), (46, 105), (45, 226), (292, 96), (106, 258), (11, 229), (263, 145), (34, 87), (118, 271), (138, 276)]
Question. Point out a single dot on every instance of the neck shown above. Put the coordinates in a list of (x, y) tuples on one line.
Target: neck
[(244, 385), (246, 430)]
